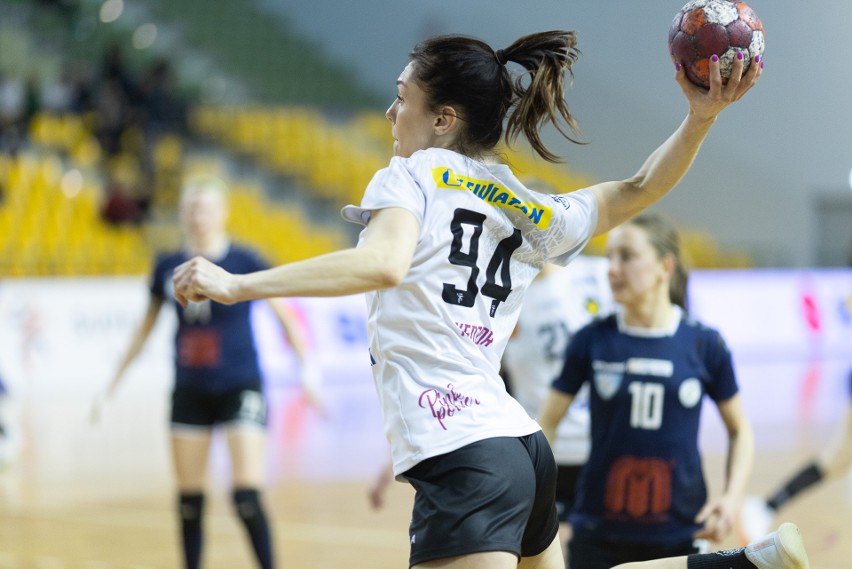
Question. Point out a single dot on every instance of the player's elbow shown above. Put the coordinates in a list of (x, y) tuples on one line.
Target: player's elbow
[(389, 277), (389, 270)]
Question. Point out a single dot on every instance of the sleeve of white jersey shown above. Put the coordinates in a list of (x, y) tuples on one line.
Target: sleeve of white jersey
[(393, 186), (575, 217)]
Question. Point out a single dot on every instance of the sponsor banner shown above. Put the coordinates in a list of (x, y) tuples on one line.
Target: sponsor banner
[(790, 332)]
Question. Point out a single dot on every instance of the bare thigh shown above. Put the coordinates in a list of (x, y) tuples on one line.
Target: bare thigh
[(190, 449), (247, 446), (486, 560), (550, 558)]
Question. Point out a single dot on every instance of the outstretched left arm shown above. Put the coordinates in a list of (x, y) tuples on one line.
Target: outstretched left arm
[(381, 261)]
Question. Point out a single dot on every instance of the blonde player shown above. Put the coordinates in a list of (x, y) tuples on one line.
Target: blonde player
[(217, 375), (452, 241)]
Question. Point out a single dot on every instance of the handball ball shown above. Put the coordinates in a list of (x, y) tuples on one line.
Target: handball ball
[(703, 28)]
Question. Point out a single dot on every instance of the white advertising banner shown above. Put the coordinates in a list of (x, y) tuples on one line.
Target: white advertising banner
[(790, 332)]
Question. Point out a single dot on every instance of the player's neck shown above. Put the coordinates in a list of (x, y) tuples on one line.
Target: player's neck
[(654, 313), (213, 247)]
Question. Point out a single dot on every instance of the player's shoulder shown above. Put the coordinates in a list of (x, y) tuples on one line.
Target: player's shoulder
[(242, 250), (169, 259), (420, 165), (435, 161), (244, 258), (430, 155), (705, 336), (599, 325), (698, 328)]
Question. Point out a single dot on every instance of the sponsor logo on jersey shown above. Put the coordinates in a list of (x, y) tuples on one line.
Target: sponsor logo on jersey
[(690, 392), (445, 405), (493, 194), (607, 378), (650, 366), (480, 335), (592, 306), (561, 200), (199, 347), (639, 488)]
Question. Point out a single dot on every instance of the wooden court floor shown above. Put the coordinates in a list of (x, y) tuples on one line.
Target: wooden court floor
[(100, 497)]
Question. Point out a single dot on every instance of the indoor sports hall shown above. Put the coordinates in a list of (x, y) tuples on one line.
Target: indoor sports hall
[(107, 106)]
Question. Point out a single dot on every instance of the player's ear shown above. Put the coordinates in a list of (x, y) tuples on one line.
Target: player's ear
[(670, 265), (446, 120)]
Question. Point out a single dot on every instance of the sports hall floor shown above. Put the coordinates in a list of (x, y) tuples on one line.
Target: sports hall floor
[(84, 496)]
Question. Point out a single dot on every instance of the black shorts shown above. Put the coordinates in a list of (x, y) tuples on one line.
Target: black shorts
[(584, 553), (198, 408), (492, 495), (566, 489)]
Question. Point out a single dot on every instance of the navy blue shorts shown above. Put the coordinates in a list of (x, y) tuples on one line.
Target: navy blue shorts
[(197, 408), (585, 553), (497, 494)]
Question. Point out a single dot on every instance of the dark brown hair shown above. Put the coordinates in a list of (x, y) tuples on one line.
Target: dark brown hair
[(665, 240), (467, 74)]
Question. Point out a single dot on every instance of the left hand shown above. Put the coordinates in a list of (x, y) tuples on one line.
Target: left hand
[(718, 518), (379, 488), (199, 279), (708, 103)]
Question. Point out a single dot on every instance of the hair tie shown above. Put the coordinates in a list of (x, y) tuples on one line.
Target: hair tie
[(501, 57)]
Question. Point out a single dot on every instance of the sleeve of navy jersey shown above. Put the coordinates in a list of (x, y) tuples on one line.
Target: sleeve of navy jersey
[(576, 368), (162, 269), (248, 261), (719, 364)]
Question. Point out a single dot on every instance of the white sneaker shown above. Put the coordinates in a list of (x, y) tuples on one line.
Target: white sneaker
[(756, 518), (782, 549)]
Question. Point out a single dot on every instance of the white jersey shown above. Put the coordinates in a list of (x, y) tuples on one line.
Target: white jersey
[(437, 338), (556, 306)]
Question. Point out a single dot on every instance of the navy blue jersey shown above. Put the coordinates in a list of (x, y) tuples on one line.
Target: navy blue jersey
[(643, 482), (214, 344)]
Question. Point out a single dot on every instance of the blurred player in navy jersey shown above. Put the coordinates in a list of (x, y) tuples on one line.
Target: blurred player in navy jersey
[(642, 494), (452, 240), (217, 377)]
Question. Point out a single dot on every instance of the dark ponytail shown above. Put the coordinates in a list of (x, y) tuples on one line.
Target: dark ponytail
[(547, 57), (467, 74)]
